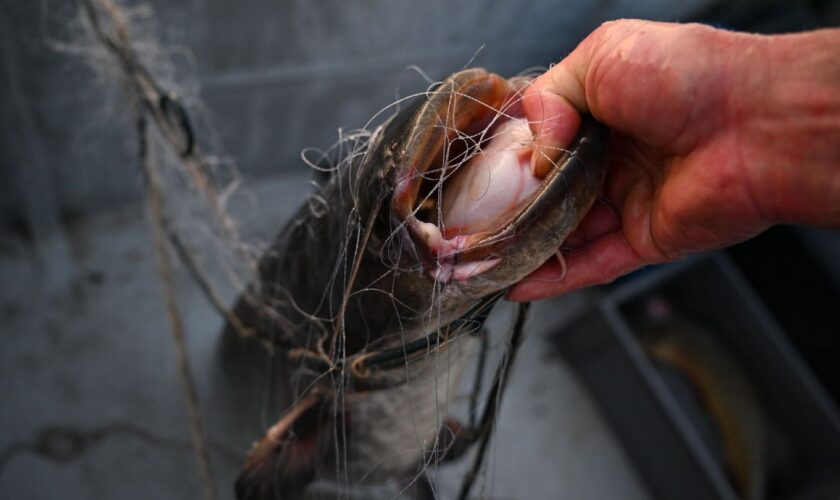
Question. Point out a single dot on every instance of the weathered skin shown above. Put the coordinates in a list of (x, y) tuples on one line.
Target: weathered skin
[(360, 272)]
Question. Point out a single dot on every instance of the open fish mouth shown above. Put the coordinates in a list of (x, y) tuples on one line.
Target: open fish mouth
[(464, 188)]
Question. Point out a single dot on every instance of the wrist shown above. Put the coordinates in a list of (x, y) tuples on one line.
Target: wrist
[(787, 115)]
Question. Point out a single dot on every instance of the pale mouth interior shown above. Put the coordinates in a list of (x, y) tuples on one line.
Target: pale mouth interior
[(493, 185), (485, 185)]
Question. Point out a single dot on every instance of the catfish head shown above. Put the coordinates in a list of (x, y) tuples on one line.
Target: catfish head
[(459, 213)]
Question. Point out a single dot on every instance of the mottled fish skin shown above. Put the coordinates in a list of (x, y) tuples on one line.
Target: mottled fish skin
[(726, 393), (393, 299)]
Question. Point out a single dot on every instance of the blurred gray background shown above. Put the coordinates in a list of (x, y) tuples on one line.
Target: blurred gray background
[(275, 76), (91, 403)]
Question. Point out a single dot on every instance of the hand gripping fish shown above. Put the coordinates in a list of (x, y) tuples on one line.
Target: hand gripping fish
[(388, 269)]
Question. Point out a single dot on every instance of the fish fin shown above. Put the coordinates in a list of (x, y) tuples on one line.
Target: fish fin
[(284, 461)]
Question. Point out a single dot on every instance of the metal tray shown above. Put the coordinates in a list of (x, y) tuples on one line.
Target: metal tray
[(665, 444)]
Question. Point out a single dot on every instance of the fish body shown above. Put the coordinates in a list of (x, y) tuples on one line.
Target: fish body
[(725, 392), (372, 297)]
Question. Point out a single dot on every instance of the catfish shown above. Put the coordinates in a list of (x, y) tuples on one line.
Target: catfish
[(376, 289)]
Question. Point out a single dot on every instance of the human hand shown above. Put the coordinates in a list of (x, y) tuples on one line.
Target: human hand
[(716, 136)]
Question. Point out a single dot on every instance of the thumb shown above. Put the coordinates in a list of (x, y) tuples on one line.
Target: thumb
[(551, 105)]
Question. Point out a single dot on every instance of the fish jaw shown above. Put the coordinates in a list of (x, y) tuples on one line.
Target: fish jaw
[(464, 191), (446, 250)]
